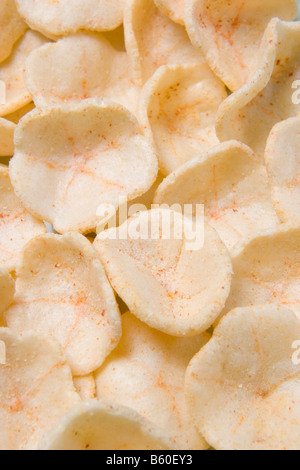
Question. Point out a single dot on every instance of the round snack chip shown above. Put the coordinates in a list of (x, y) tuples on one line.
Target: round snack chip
[(159, 266), (81, 66), (7, 130), (98, 425), (232, 184), (179, 105), (283, 165), (152, 40), (85, 387), (230, 33), (249, 114), (12, 71), (146, 373), (62, 292), (62, 17), (174, 9), (7, 291), (243, 386), (12, 27), (36, 389), (267, 270), (70, 161), (17, 226)]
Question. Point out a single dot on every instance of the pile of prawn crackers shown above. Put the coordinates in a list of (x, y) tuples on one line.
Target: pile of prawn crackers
[(110, 341)]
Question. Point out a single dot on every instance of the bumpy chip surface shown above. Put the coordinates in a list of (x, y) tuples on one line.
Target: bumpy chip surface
[(69, 161), (267, 270), (146, 373), (152, 40), (243, 386), (230, 33), (232, 184), (36, 390), (7, 130), (12, 73), (7, 290), (17, 226), (104, 426), (283, 165), (179, 105), (62, 17), (81, 66), (172, 285), (172, 8), (62, 292), (85, 387), (12, 27), (249, 114)]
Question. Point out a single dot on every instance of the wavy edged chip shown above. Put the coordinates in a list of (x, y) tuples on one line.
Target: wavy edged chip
[(243, 387), (12, 27), (99, 425), (249, 114), (152, 40), (81, 66), (267, 270), (85, 387), (283, 165), (170, 284), (11, 73), (63, 17), (7, 291), (62, 292), (7, 130), (230, 33), (36, 390), (70, 160), (17, 226), (174, 9), (232, 184), (178, 108), (146, 373)]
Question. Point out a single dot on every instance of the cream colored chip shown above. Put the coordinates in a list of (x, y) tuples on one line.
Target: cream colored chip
[(7, 291), (158, 265), (243, 386), (7, 130), (172, 8), (62, 292), (85, 387), (17, 226), (283, 165), (98, 425), (12, 27), (152, 40), (146, 373), (249, 114), (179, 105), (81, 66), (36, 390), (62, 17), (230, 33), (267, 270), (72, 161), (11, 73), (233, 186)]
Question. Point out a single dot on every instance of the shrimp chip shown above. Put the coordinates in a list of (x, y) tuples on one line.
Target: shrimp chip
[(243, 386), (100, 71), (160, 267), (230, 34), (146, 373), (36, 390), (98, 425), (249, 114), (267, 270), (283, 165), (85, 387), (62, 292), (7, 290), (12, 27), (7, 130), (178, 110), (17, 226), (174, 9), (152, 40), (233, 186), (60, 18), (11, 73), (71, 161)]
